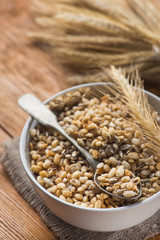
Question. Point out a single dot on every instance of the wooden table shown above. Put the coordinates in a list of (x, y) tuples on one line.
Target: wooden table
[(23, 68)]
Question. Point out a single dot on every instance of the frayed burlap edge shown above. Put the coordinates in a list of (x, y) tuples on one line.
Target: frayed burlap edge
[(10, 160)]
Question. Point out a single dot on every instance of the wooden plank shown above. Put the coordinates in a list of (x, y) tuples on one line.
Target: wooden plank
[(23, 67), (22, 70), (3, 137), (157, 237), (17, 219)]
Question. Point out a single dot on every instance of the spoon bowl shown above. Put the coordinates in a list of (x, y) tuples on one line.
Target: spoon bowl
[(97, 182)]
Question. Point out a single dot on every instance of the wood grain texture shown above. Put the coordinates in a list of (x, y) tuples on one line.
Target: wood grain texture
[(17, 219), (23, 68)]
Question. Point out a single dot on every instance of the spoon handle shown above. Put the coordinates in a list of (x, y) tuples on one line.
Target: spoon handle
[(34, 107)]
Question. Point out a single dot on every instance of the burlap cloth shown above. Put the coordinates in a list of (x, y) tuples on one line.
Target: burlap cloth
[(11, 162)]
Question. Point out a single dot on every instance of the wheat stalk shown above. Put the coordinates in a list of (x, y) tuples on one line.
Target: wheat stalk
[(89, 34), (130, 91)]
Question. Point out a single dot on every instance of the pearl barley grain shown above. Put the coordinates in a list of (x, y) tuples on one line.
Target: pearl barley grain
[(108, 132)]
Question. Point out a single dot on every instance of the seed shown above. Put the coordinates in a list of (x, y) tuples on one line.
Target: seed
[(47, 181), (112, 173), (40, 163), (126, 165), (154, 179), (105, 134), (85, 199), (111, 131), (68, 156), (98, 204), (33, 132), (119, 122), (89, 135), (62, 197), (69, 200), (144, 190), (158, 174), (55, 143), (84, 169), (43, 173), (42, 145), (127, 173), (84, 205), (58, 180), (135, 141), (100, 165), (125, 147), (93, 200), (104, 196), (88, 174), (77, 203), (49, 153), (36, 156), (156, 186), (95, 154), (92, 126), (83, 132), (106, 168), (119, 192), (96, 119), (57, 158), (66, 193), (40, 180), (146, 172), (130, 185), (113, 161), (137, 134), (115, 146), (80, 142), (128, 135), (57, 149), (109, 150), (136, 180), (79, 124), (76, 174), (158, 166), (120, 171), (77, 114), (83, 179), (74, 154), (133, 155), (47, 163), (78, 196), (75, 182), (61, 185), (152, 190), (98, 144), (113, 180), (109, 189), (63, 174), (129, 194), (36, 168), (125, 179), (81, 189)]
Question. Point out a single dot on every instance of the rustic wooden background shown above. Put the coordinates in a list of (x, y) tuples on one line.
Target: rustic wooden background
[(23, 68)]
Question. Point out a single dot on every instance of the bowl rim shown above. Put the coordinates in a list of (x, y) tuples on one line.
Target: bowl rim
[(33, 179)]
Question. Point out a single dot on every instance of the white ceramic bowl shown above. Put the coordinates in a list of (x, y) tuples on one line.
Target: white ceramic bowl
[(91, 219)]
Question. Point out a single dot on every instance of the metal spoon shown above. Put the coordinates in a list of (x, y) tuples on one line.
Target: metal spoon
[(34, 107)]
